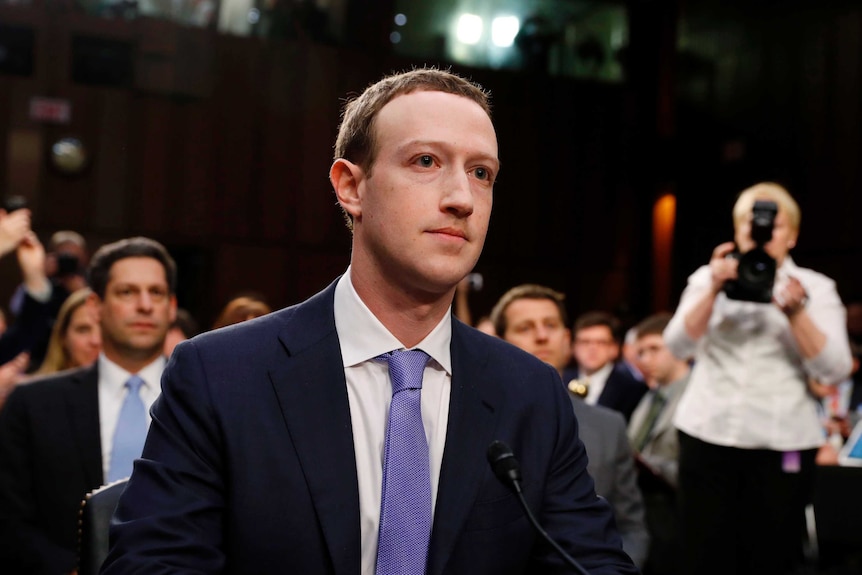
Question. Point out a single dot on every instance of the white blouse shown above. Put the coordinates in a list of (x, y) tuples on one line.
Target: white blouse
[(748, 387)]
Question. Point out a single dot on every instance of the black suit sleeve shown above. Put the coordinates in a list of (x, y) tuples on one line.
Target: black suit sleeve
[(169, 518), (30, 331), (571, 512)]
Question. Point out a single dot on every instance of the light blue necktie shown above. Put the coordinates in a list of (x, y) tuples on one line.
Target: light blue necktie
[(130, 433), (405, 507)]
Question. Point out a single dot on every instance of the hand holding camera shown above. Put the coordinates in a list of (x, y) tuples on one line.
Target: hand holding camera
[(792, 297), (14, 227), (755, 272), (723, 268)]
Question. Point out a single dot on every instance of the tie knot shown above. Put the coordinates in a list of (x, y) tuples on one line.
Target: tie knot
[(406, 368), (134, 384)]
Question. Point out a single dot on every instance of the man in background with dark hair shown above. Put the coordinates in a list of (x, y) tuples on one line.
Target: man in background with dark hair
[(656, 442), (533, 317), (596, 350), (67, 434)]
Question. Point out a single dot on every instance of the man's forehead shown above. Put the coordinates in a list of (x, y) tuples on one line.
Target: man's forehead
[(604, 329), (539, 306), (133, 267), (650, 340)]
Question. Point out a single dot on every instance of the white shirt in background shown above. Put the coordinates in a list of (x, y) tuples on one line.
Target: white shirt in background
[(112, 394), (748, 387)]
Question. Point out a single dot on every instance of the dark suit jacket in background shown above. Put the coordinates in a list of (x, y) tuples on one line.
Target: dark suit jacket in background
[(622, 391), (249, 464), (612, 467), (50, 457)]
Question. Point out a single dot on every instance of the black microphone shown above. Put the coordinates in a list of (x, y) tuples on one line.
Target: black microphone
[(508, 471)]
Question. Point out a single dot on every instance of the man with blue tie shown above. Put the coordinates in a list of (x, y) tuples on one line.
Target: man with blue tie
[(67, 434), (348, 434)]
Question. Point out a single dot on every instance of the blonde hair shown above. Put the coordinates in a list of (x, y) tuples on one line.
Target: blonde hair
[(767, 191), (241, 309), (57, 357)]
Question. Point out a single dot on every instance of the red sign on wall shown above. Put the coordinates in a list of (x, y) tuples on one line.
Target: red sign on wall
[(52, 110)]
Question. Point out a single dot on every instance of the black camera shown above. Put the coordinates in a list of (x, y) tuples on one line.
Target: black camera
[(756, 270), (67, 264), (12, 203)]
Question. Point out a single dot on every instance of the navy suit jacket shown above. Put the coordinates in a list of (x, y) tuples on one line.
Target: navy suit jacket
[(50, 457), (249, 465)]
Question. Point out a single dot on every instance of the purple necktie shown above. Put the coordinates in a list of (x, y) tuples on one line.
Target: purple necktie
[(405, 507)]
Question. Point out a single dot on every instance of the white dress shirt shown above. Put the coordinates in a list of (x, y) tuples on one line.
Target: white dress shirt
[(748, 387), (112, 394), (369, 390), (597, 382)]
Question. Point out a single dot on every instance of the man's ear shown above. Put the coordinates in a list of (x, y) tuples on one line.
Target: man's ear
[(346, 177)]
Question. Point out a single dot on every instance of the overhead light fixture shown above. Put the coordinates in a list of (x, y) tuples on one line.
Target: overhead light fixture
[(469, 29), (504, 29)]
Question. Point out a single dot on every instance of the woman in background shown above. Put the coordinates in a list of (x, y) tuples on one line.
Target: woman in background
[(76, 339), (240, 309), (748, 427)]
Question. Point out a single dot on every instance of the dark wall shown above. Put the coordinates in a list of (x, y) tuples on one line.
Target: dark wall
[(220, 148), (772, 94)]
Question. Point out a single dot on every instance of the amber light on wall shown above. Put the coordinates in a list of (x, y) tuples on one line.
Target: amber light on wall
[(663, 222)]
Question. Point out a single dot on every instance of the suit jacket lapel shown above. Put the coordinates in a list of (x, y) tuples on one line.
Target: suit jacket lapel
[(310, 386), (82, 402), (472, 421)]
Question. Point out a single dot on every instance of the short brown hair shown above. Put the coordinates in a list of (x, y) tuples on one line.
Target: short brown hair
[(356, 138), (138, 247), (653, 325), (526, 291), (598, 318)]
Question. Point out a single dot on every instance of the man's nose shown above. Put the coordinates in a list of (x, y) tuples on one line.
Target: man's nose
[(458, 196), (145, 301)]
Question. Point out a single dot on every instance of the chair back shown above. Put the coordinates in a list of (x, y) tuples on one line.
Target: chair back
[(95, 519)]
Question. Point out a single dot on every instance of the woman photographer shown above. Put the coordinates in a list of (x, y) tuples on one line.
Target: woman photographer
[(749, 429)]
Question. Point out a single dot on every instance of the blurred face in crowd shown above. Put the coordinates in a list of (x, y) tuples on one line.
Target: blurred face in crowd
[(83, 338), (136, 312), (783, 236), (594, 347), (174, 337), (535, 326), (657, 363)]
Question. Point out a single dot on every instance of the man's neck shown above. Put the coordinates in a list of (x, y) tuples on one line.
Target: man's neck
[(590, 373), (409, 317), (679, 372), (131, 364)]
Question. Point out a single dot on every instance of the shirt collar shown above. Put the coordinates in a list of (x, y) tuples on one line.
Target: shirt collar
[(601, 374), (672, 389), (362, 336), (117, 376)]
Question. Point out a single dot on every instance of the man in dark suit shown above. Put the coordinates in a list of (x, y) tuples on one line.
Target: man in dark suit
[(533, 317), (58, 435), (269, 447), (595, 348)]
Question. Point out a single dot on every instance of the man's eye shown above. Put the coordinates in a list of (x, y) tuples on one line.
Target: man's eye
[(482, 173), (425, 161)]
